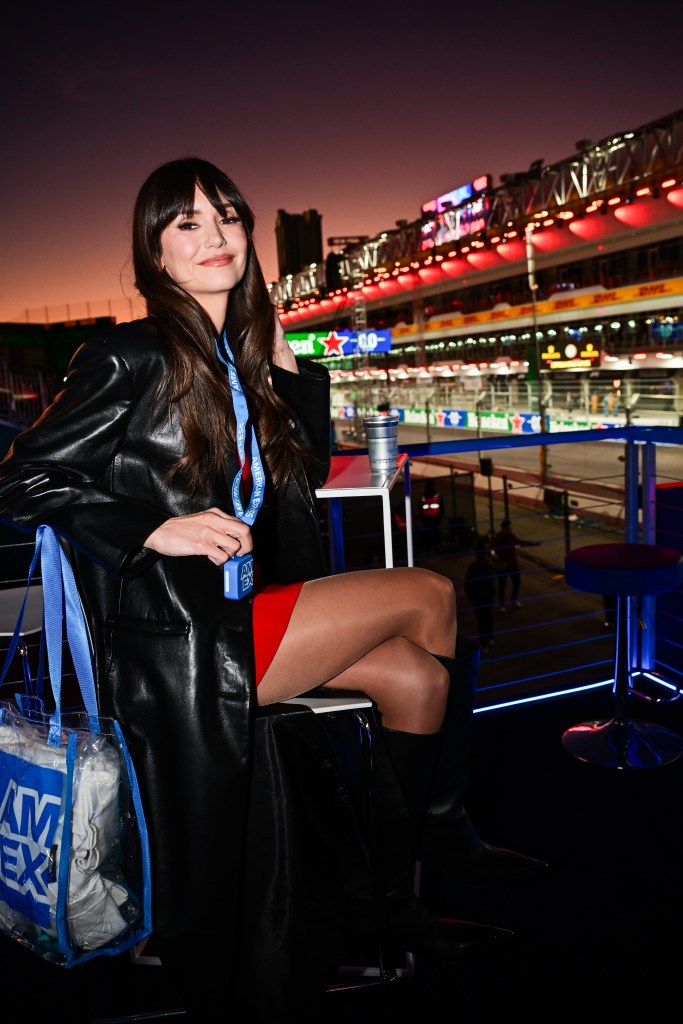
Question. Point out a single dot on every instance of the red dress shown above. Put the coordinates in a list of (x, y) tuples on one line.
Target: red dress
[(272, 609)]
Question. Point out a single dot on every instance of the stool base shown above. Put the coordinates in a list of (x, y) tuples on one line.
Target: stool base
[(650, 685), (615, 744)]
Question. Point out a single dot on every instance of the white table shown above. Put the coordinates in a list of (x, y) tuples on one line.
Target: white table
[(10, 606), (350, 477)]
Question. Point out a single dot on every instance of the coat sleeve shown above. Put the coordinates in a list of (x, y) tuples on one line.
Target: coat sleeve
[(61, 470), (307, 393)]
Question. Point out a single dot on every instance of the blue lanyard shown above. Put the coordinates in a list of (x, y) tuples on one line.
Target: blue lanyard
[(243, 421)]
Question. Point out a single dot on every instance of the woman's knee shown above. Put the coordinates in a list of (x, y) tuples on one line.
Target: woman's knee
[(431, 586), (416, 693), (437, 599), (444, 596), (430, 691)]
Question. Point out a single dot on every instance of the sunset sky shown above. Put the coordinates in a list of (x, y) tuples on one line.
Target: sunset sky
[(362, 116)]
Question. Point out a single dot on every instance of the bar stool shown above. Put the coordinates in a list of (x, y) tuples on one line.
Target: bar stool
[(624, 571), (11, 600), (297, 716)]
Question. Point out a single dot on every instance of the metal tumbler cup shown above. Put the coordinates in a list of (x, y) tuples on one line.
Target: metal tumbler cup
[(382, 437)]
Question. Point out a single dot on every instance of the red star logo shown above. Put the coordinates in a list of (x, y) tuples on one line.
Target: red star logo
[(517, 422), (333, 344)]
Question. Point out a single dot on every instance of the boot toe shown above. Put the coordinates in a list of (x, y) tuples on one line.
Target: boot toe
[(455, 941), (412, 929), (440, 939), (494, 865)]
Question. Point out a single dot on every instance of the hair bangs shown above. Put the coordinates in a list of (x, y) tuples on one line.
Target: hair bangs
[(222, 192)]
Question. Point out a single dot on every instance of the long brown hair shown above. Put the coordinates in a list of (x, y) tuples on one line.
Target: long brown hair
[(195, 383)]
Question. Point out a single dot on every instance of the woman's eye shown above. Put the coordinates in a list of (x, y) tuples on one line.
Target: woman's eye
[(231, 219), (187, 225)]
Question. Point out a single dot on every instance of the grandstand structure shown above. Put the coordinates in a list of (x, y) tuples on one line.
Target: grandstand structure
[(558, 290), (550, 300)]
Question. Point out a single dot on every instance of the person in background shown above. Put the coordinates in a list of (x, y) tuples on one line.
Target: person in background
[(431, 513), (480, 590), (180, 442), (504, 548)]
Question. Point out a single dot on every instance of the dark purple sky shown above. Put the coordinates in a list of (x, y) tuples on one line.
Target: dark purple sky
[(361, 116)]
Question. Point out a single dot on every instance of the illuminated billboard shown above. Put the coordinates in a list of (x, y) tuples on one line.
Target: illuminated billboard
[(571, 357), (451, 225), (458, 196), (338, 343)]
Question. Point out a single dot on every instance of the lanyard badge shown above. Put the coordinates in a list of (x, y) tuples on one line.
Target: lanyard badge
[(238, 577), (238, 573)]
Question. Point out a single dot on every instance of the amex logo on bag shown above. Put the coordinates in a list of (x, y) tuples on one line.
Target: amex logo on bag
[(74, 851), (31, 823), (38, 822)]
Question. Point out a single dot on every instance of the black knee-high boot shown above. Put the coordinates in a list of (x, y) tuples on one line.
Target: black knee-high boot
[(403, 770), (448, 839)]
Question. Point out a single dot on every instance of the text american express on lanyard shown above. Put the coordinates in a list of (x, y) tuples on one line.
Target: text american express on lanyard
[(238, 573)]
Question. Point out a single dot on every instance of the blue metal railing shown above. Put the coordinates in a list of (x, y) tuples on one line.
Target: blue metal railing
[(561, 641)]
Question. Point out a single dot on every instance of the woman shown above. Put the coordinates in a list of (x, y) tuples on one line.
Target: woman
[(147, 464)]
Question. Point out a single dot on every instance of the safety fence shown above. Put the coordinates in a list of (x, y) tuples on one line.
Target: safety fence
[(544, 638)]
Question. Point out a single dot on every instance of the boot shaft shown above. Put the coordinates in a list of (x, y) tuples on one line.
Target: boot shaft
[(451, 776)]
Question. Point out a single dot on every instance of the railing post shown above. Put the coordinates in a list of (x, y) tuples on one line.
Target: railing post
[(492, 529), (409, 513), (648, 602), (648, 490), (631, 493), (631, 531), (6, 396), (336, 536), (567, 536), (42, 391)]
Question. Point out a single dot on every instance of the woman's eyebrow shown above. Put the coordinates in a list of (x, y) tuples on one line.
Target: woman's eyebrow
[(197, 213)]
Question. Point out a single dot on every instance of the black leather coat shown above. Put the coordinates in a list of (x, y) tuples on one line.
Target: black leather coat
[(174, 659)]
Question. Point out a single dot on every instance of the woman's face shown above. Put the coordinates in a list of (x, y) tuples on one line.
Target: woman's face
[(205, 253)]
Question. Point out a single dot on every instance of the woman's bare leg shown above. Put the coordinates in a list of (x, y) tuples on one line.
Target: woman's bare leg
[(409, 686), (374, 631)]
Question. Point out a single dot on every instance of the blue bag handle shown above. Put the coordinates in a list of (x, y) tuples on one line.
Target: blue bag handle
[(61, 601)]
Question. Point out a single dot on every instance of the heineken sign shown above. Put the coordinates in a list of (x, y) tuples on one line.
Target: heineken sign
[(339, 343)]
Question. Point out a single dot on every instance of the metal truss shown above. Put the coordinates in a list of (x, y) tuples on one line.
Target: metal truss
[(627, 160), (620, 163)]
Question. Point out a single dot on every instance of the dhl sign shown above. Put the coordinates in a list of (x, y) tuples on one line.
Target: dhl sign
[(673, 287)]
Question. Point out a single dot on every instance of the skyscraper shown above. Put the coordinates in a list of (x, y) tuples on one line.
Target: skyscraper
[(299, 240)]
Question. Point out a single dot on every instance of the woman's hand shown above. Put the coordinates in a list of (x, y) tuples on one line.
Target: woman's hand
[(212, 533), (282, 353)]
